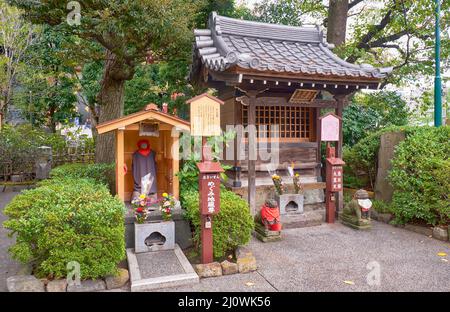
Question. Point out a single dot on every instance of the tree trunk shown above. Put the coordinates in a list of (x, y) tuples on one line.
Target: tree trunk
[(110, 99), (337, 21)]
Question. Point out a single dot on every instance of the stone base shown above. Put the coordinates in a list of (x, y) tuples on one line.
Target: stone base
[(294, 221), (183, 235), (154, 236), (351, 221), (265, 235), (160, 269), (290, 203)]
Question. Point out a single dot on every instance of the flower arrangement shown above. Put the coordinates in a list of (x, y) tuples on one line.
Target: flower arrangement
[(166, 204), (278, 182), (298, 186), (141, 205)]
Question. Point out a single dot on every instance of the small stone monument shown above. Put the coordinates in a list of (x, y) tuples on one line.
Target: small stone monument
[(267, 222), (43, 163), (356, 213)]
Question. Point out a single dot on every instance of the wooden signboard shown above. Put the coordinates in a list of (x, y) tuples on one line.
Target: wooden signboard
[(205, 115), (329, 127)]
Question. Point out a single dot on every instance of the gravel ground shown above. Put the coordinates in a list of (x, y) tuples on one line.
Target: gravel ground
[(320, 258)]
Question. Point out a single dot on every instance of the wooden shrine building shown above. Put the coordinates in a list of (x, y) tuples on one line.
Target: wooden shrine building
[(273, 74), (162, 130)]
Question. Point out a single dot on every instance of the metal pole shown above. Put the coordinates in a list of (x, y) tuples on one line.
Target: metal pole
[(437, 79)]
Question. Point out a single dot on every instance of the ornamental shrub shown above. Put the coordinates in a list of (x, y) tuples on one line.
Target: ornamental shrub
[(100, 173), (361, 159), (420, 176), (233, 225), (67, 220)]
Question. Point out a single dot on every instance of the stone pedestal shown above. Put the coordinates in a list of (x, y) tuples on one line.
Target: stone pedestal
[(154, 236), (353, 222), (290, 203), (265, 235), (43, 163)]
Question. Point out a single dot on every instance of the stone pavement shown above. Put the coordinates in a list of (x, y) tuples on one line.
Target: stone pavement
[(320, 258)]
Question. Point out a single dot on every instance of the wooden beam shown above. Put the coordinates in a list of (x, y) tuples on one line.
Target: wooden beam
[(120, 161)]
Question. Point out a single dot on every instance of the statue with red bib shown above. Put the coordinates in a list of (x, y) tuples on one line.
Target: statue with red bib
[(144, 170)]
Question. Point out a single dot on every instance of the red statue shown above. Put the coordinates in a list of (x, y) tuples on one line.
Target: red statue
[(270, 215)]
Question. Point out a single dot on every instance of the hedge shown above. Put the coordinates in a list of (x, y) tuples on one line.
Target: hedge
[(420, 177), (67, 220), (100, 173), (233, 225)]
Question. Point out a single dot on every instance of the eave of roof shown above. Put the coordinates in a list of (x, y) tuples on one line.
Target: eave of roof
[(141, 116), (269, 48)]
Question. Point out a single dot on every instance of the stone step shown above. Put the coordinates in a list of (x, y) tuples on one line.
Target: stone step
[(309, 218)]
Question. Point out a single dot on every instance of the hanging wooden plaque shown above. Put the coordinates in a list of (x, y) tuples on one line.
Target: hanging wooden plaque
[(205, 115)]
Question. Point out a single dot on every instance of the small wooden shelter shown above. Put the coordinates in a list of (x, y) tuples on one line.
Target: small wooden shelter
[(164, 141)]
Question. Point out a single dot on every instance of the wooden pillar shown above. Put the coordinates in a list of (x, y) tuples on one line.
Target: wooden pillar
[(341, 99), (175, 163), (237, 145), (252, 151), (120, 161), (318, 134)]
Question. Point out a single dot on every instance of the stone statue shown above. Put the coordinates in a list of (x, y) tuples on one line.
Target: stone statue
[(356, 213)]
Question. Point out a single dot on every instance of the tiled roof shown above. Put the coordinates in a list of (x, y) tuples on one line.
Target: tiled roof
[(257, 46)]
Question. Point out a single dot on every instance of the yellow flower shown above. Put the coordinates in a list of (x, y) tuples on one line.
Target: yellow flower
[(142, 196), (297, 175), (165, 195)]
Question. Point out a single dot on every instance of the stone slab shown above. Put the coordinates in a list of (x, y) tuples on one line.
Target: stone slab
[(440, 233), (388, 142), (141, 280), (310, 218), (59, 285), (24, 283), (87, 286), (212, 269), (229, 268), (118, 280)]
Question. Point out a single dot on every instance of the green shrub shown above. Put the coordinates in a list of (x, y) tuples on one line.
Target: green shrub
[(232, 226), (361, 159), (420, 176), (381, 206), (100, 173), (67, 220)]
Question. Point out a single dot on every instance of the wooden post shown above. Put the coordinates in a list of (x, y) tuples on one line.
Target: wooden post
[(237, 145), (341, 99), (175, 163), (120, 161), (252, 152)]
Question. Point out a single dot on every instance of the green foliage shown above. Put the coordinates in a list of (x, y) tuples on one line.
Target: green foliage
[(19, 145), (420, 176), (381, 206), (288, 12), (232, 226), (99, 173), (369, 112), (188, 173), (361, 159), (67, 220)]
